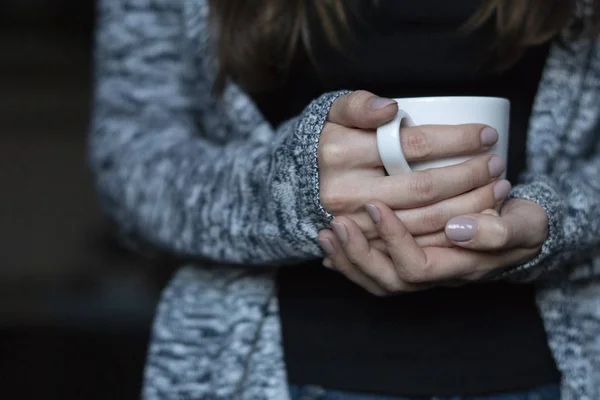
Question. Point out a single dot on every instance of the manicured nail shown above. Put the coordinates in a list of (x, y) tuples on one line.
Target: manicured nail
[(340, 231), (327, 246), (502, 189), (377, 103), (373, 212), (461, 229), (489, 137), (327, 263), (497, 166)]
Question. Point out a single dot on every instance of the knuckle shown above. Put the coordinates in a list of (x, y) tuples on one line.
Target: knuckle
[(331, 132), (469, 137), (327, 127), (435, 219), (477, 174), (356, 100), (472, 177), (332, 154), (422, 186), (416, 144), (331, 199)]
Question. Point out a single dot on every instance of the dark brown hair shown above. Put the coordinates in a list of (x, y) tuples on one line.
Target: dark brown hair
[(258, 39)]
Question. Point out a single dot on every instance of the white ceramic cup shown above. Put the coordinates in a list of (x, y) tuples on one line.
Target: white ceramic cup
[(492, 111)]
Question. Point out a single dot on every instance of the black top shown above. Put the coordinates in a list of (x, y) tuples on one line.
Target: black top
[(477, 339)]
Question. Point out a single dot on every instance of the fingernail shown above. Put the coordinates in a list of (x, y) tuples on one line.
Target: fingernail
[(373, 212), (327, 246), (489, 137), (502, 189), (461, 229), (377, 103), (327, 263), (496, 166), (340, 231)]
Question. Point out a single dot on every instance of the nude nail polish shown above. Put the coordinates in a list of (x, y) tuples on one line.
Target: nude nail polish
[(461, 229), (489, 137), (340, 231), (327, 246), (373, 213), (378, 103), (496, 166), (502, 189)]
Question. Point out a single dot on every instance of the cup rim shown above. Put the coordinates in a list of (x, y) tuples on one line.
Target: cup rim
[(447, 98)]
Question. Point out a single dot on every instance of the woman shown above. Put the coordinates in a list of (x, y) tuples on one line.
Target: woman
[(206, 144)]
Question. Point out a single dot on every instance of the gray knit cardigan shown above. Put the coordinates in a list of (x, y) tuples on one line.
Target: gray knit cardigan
[(209, 179)]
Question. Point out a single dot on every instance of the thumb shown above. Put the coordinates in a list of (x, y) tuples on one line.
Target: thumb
[(483, 232), (520, 226), (362, 109)]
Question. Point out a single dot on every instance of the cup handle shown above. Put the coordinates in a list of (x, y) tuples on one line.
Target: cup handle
[(389, 145)]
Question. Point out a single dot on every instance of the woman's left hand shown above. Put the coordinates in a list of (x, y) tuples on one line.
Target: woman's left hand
[(472, 247)]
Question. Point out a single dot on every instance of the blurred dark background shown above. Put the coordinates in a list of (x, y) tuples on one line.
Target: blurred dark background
[(75, 308)]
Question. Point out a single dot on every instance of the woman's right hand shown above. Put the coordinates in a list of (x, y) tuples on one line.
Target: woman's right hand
[(351, 171)]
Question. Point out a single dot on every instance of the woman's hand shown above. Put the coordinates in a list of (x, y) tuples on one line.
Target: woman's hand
[(351, 171), (476, 246)]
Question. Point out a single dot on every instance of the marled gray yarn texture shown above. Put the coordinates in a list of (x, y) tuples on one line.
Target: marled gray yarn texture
[(209, 179)]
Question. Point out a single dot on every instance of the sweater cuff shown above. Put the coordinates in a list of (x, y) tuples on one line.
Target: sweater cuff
[(308, 134), (542, 191)]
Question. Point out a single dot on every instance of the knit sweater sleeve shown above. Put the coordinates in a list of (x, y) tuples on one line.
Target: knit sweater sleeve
[(572, 203), (247, 198)]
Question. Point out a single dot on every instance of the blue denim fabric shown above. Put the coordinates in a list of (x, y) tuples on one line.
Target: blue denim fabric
[(551, 392)]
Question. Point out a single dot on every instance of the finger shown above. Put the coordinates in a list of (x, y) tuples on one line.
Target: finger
[(339, 261), (483, 232), (435, 264), (434, 217), (369, 260), (422, 188), (340, 144), (361, 109), (409, 259), (438, 239), (527, 221), (456, 267), (341, 147), (451, 264), (523, 227), (430, 142)]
